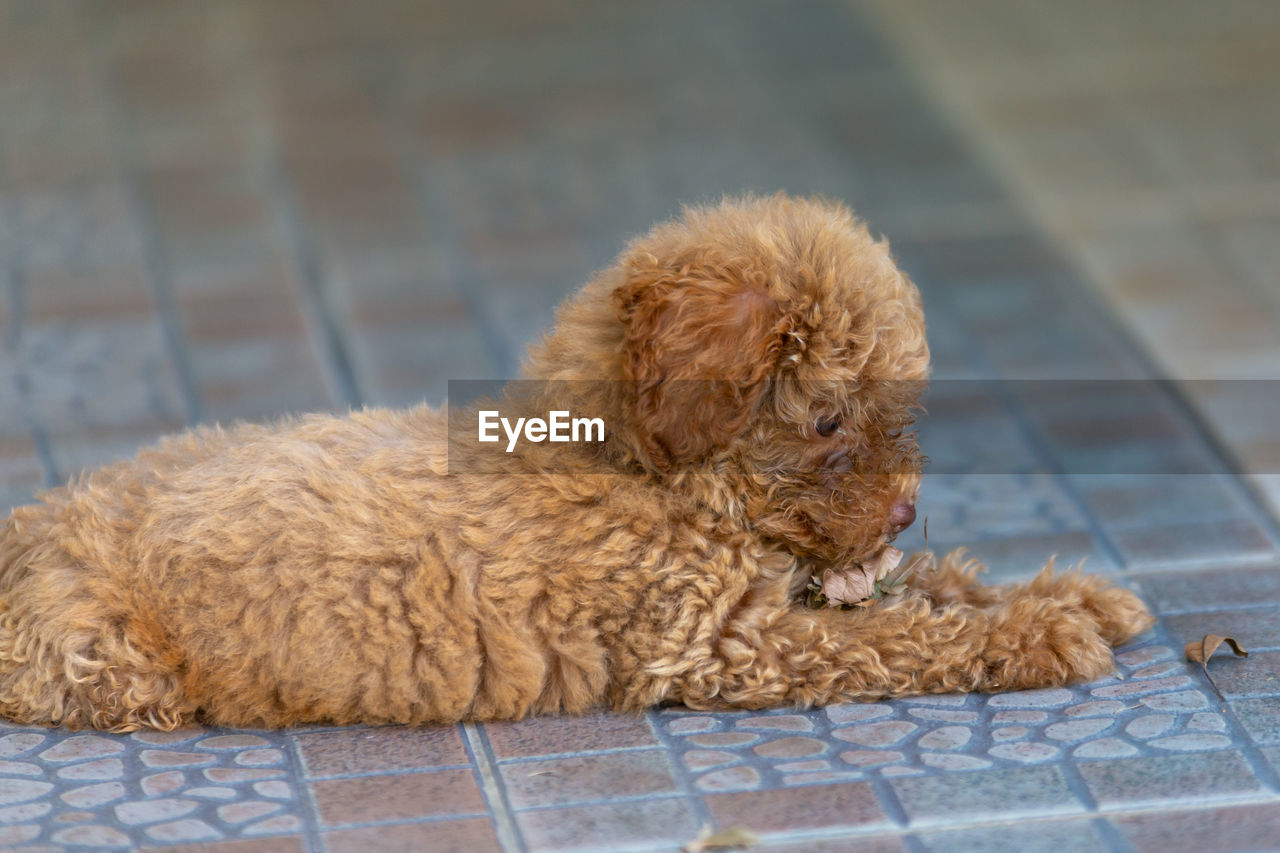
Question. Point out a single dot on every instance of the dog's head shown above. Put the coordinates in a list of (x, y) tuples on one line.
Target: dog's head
[(772, 356)]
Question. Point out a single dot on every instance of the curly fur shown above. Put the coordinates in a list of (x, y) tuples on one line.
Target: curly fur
[(332, 569)]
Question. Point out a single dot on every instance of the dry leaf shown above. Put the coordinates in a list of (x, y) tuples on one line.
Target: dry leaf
[(858, 584), (728, 839), (887, 560), (849, 586), (1200, 652)]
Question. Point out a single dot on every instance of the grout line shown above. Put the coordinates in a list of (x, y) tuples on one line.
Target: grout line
[(682, 778), (1242, 742), (44, 451), (913, 843), (306, 798), (1077, 786), (482, 758), (157, 263), (324, 327), (12, 256), (16, 295), (888, 798), (1111, 835)]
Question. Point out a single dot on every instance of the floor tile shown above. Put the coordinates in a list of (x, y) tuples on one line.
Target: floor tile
[(814, 807), (343, 751), (1254, 827), (662, 823), (1177, 592), (1128, 500), (1021, 557), (473, 835), (985, 795), (403, 796), (1256, 628), (851, 843), (1257, 675), (561, 781), (1195, 542), (287, 844), (1260, 718), (1029, 837), (1128, 782), (568, 734)]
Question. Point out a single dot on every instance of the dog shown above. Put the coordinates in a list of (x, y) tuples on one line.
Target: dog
[(756, 365)]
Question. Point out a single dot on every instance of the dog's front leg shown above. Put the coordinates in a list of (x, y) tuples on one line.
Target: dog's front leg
[(910, 646)]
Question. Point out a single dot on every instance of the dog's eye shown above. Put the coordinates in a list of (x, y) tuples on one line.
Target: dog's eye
[(827, 427)]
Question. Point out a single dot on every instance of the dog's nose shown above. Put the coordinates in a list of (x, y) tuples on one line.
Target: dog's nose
[(901, 516)]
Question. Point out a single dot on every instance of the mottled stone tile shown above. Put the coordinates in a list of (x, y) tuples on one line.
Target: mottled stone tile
[(93, 835), (287, 844), (361, 750), (734, 779), (551, 735), (19, 742), (1242, 540), (188, 829), (814, 807), (1260, 718), (985, 794), (402, 796), (860, 843), (1029, 837), (1179, 592), (22, 790), (775, 722), (447, 836), (876, 735), (790, 748), (1151, 500), (663, 822), (80, 747), (1249, 827), (1168, 779), (1256, 675), (584, 778), (1021, 557)]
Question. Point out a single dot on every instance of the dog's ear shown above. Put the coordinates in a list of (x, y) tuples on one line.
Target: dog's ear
[(699, 350)]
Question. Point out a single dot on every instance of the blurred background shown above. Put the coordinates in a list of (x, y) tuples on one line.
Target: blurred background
[(214, 211)]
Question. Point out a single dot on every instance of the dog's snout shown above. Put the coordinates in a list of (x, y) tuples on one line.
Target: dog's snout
[(901, 516)]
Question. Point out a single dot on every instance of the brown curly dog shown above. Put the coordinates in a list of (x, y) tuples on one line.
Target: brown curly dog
[(764, 357)]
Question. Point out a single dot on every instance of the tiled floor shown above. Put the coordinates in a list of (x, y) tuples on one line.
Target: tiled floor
[(1145, 140), (219, 211)]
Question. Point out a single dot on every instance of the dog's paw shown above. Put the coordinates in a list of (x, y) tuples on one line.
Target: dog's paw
[(1042, 642), (1121, 615)]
